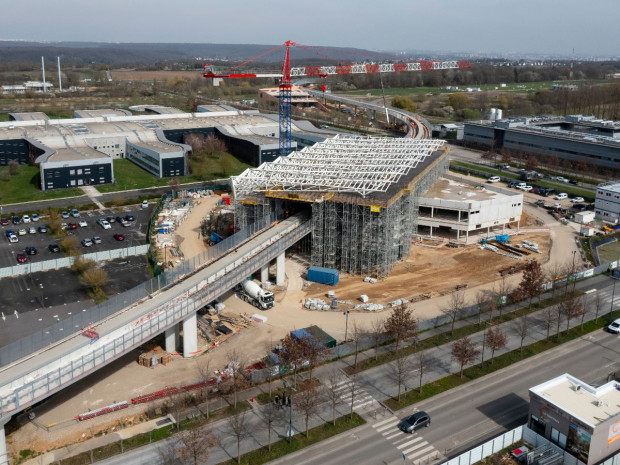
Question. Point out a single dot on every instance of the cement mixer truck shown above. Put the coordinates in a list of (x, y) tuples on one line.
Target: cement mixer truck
[(253, 294)]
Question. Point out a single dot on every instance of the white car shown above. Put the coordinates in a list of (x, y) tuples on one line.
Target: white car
[(577, 199), (104, 223), (82, 223), (75, 213), (561, 179), (614, 327), (494, 179), (25, 219), (527, 188), (87, 242), (145, 203), (561, 196), (32, 230), (34, 217)]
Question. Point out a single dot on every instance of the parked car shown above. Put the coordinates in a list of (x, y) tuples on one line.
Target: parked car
[(31, 250), (21, 258), (110, 219), (21, 232), (12, 238), (64, 214), (105, 224), (145, 204), (512, 184), (72, 226), (119, 237), (86, 242), (16, 220), (75, 213), (415, 422), (520, 185), (119, 219), (96, 240), (43, 228), (32, 230), (540, 202), (547, 176), (527, 188), (491, 179), (561, 196), (34, 217), (53, 248), (8, 232), (577, 200), (580, 207), (573, 181), (614, 326), (130, 218), (26, 219), (561, 179), (82, 223), (4, 221)]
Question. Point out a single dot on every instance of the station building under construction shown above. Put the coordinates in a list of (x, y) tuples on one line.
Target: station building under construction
[(361, 193)]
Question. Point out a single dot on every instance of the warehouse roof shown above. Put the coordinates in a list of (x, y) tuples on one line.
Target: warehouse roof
[(351, 164)]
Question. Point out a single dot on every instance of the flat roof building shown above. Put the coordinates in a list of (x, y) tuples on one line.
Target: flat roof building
[(583, 420), (607, 203)]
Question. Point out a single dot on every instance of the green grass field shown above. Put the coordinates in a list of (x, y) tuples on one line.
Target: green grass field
[(24, 187)]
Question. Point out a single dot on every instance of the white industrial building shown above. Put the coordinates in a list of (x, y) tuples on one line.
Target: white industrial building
[(607, 204), (456, 210)]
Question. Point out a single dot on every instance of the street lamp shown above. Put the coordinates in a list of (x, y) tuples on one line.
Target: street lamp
[(290, 411), (613, 294), (346, 324), (484, 338)]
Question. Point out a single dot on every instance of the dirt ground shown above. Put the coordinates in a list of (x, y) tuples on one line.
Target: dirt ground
[(155, 75), (187, 236), (426, 270)]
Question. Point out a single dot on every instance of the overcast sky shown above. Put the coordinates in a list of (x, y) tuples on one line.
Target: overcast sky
[(505, 26)]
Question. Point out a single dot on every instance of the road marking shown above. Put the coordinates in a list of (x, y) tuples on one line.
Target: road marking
[(408, 443), (398, 433), (384, 427), (417, 446), (423, 451), (383, 422)]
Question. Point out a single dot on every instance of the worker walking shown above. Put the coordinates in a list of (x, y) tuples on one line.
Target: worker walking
[(276, 401)]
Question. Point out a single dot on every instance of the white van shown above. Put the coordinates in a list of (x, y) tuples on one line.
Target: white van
[(494, 179), (561, 196), (521, 185)]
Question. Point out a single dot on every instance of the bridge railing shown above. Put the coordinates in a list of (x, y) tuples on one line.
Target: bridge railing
[(75, 323), (157, 320)]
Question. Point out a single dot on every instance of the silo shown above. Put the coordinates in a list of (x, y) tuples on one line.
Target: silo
[(498, 114), (492, 114)]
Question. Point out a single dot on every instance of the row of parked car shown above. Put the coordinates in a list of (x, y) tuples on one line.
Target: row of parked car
[(106, 223)]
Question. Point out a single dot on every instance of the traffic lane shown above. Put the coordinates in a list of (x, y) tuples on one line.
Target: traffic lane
[(135, 234)]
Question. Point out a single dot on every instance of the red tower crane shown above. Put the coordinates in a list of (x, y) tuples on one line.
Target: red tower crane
[(285, 87)]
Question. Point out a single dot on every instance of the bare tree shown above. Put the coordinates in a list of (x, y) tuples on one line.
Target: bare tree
[(571, 308), (203, 366), (502, 292), (315, 352), (94, 279), (484, 303), (294, 354), (195, 445), (376, 332), (270, 414), (333, 392), (464, 351), (454, 307), (584, 307), (401, 324), (400, 369), (554, 275), (357, 334), (237, 378), (236, 422), (174, 184), (496, 340), (166, 454), (521, 326), (71, 246), (422, 362), (558, 314), (532, 280), (353, 387), (307, 402), (548, 317), (598, 304)]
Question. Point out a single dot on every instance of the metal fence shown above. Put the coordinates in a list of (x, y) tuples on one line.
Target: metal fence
[(66, 262), (156, 319), (510, 437), (62, 329)]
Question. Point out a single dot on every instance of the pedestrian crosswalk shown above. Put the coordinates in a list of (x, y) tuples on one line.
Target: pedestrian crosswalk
[(413, 446), (360, 397)]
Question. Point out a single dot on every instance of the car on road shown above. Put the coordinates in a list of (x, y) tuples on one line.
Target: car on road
[(82, 223), (16, 220), (561, 179), (145, 204), (130, 218), (105, 224), (96, 240), (34, 217), (119, 237), (26, 219), (573, 181), (32, 230), (494, 179), (75, 213), (21, 258), (72, 226), (43, 228), (64, 214), (415, 422), (86, 242), (577, 200), (21, 232), (31, 250), (614, 327), (53, 248), (4, 221)]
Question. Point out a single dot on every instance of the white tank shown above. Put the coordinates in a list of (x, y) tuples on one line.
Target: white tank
[(498, 114), (492, 114)]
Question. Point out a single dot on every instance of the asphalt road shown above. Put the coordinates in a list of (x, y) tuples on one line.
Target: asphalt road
[(467, 416)]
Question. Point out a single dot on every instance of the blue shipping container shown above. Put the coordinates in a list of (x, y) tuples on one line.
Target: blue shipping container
[(318, 274)]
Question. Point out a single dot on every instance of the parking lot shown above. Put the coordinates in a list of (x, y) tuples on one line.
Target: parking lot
[(134, 234)]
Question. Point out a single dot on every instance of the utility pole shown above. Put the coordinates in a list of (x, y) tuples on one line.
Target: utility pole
[(387, 116)]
